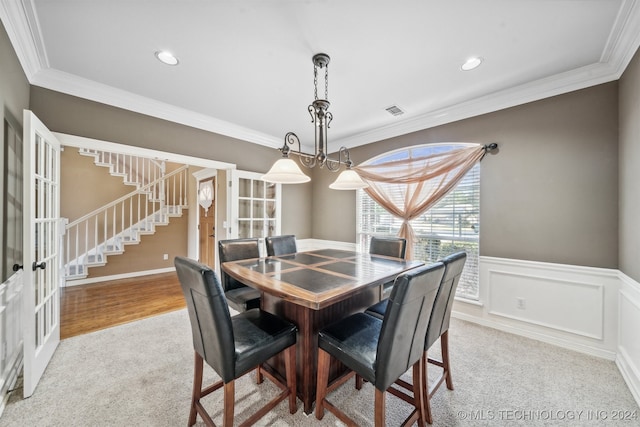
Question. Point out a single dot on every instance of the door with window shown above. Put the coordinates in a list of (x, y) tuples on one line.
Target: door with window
[(41, 228), (207, 225), (255, 206)]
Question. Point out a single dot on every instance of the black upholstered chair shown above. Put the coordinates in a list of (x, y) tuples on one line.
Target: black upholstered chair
[(388, 246), (239, 296), (381, 350), (280, 245), (232, 346), (391, 246), (438, 327)]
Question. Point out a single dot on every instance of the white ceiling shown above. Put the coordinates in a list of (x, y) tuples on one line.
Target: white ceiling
[(245, 66)]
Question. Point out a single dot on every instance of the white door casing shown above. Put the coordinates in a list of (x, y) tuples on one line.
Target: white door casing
[(42, 277)]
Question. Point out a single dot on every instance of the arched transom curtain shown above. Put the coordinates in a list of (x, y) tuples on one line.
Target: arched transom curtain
[(411, 184)]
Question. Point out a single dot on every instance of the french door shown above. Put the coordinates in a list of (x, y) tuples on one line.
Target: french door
[(254, 205), (41, 230)]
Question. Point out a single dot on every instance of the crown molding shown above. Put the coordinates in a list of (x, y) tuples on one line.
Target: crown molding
[(21, 23), (584, 77), (624, 38), (88, 89)]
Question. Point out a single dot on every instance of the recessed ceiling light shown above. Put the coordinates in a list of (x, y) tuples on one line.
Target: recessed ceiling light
[(166, 57), (471, 63)]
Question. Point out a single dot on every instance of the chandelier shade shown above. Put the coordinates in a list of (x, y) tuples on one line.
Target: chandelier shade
[(348, 180), (286, 171)]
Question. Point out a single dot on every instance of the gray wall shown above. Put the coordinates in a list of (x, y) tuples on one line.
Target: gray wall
[(14, 98), (71, 115), (550, 193), (14, 86), (629, 193)]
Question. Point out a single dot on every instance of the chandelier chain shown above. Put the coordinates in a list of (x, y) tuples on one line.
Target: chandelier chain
[(315, 82), (321, 117), (326, 82)]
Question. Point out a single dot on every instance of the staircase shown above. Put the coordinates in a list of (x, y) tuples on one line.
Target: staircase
[(106, 231), (134, 170)]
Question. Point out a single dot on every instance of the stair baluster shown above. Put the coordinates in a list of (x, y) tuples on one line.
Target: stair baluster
[(106, 230)]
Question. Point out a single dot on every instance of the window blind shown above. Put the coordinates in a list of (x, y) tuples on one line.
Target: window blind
[(453, 224)]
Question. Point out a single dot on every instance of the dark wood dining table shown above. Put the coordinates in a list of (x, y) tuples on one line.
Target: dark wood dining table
[(314, 289)]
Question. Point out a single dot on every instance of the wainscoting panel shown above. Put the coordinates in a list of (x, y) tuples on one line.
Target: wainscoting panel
[(628, 359), (574, 307), (570, 306), (10, 334)]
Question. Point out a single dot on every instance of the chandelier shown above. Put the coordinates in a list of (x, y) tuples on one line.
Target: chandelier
[(286, 171)]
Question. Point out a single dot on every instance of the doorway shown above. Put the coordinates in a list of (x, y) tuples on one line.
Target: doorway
[(207, 224), (209, 169)]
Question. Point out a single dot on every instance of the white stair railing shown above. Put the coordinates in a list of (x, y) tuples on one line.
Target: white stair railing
[(90, 238), (138, 171)]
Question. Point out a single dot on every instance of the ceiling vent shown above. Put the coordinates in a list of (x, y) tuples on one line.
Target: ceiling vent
[(394, 110)]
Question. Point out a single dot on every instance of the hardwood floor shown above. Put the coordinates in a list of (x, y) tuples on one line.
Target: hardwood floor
[(88, 308)]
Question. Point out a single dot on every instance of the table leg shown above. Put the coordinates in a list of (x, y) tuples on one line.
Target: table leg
[(309, 322)]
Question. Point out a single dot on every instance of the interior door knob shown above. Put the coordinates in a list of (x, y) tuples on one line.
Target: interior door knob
[(41, 265), (17, 267)]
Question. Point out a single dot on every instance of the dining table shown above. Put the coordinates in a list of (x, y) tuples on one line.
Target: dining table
[(313, 289)]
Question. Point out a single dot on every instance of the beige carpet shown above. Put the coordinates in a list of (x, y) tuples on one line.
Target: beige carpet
[(139, 374)]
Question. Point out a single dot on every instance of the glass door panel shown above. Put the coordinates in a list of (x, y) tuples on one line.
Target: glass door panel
[(255, 206)]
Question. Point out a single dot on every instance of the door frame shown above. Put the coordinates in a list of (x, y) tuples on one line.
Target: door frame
[(95, 144)]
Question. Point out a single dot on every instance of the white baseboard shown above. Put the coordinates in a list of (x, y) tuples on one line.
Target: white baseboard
[(538, 336), (118, 276)]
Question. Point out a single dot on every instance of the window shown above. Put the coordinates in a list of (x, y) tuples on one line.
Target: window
[(453, 224)]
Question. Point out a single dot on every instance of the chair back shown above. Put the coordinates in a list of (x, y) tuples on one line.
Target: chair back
[(393, 246), (404, 326), (281, 245), (234, 250), (441, 315), (209, 315)]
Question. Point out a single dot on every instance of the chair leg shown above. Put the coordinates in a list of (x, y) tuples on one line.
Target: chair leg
[(418, 391), (359, 381), (259, 377), (197, 388), (380, 408), (324, 360), (425, 388), (229, 403), (290, 368), (444, 346)]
